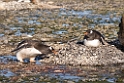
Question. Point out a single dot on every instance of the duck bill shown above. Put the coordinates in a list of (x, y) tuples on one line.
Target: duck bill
[(85, 33), (54, 51)]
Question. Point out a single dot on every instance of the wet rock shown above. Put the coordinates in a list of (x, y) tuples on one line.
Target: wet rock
[(45, 29), (70, 82), (41, 77), (1, 31), (20, 80), (44, 36), (8, 32), (121, 31)]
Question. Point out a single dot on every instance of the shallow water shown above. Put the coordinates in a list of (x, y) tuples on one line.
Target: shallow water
[(105, 74), (6, 73), (66, 76), (6, 59)]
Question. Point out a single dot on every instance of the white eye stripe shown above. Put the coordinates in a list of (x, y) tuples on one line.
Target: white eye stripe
[(91, 32), (23, 44), (93, 43), (50, 48)]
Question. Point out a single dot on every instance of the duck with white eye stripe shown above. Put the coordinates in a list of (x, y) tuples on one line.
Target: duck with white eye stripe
[(93, 38), (30, 49)]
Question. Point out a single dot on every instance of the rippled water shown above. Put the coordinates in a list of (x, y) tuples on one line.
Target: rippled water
[(6, 59), (6, 73)]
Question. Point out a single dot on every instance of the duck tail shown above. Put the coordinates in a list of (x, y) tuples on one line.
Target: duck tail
[(103, 41), (22, 46), (18, 48)]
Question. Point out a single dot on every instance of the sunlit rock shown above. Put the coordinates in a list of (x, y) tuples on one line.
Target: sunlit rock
[(1, 6)]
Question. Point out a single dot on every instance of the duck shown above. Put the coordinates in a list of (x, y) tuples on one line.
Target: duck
[(30, 49), (93, 38)]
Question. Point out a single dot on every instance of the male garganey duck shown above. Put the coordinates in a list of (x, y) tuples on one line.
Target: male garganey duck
[(93, 38), (30, 49)]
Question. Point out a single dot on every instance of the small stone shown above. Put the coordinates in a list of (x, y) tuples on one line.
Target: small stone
[(45, 29), (70, 82), (41, 77)]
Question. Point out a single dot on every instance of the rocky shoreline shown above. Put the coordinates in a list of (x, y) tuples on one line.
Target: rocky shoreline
[(72, 54), (90, 63)]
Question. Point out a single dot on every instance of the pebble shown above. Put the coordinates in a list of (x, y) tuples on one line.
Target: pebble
[(15, 5), (45, 29), (70, 82)]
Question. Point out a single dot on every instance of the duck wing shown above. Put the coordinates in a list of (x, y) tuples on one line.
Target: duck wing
[(22, 44)]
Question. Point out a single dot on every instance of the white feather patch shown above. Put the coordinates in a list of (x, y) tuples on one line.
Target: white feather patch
[(92, 43), (27, 53), (23, 44), (50, 48), (91, 31)]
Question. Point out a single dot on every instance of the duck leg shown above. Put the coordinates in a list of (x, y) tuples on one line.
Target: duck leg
[(32, 59)]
